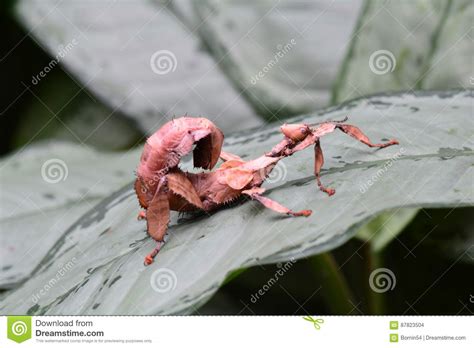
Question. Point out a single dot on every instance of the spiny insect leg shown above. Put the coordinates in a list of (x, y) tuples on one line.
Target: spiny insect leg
[(179, 184), (318, 163), (271, 204), (280, 148), (159, 210), (151, 256), (227, 156), (356, 133)]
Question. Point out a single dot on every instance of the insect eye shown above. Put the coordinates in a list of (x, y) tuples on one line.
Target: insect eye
[(303, 130)]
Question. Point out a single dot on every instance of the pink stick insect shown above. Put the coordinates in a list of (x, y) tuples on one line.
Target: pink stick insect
[(161, 186), (300, 136)]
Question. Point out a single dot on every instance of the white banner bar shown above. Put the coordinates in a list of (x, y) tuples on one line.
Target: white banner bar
[(238, 331)]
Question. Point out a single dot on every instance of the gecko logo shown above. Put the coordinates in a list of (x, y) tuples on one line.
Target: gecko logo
[(19, 328)]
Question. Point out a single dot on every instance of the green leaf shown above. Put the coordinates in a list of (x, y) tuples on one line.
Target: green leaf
[(384, 228), (62, 110), (109, 47), (451, 62), (396, 47), (408, 45), (101, 255), (283, 56), (59, 182)]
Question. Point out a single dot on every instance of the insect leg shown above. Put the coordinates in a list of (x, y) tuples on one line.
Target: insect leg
[(227, 156), (179, 184), (318, 163), (141, 215), (280, 148), (356, 133), (158, 217), (271, 204), (151, 256), (158, 213)]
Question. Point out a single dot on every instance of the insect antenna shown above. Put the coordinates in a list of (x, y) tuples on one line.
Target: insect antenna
[(330, 121)]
